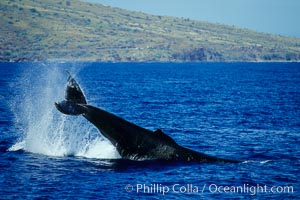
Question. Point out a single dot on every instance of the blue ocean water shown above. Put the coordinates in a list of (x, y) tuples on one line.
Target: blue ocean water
[(243, 111)]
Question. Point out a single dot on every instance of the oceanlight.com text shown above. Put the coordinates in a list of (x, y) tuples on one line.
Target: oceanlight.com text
[(157, 188)]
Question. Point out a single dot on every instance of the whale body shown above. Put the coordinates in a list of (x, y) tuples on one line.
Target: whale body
[(131, 141)]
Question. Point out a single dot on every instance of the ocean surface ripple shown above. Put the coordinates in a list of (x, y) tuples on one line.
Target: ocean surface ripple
[(244, 111)]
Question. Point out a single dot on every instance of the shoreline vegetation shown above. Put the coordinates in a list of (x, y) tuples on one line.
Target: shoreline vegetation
[(72, 30)]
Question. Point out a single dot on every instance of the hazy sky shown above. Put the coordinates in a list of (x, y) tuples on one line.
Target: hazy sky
[(271, 16)]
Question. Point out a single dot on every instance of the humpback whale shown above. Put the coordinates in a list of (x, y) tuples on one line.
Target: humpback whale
[(131, 141)]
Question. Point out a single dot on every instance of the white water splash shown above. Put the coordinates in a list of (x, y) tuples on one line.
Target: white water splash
[(260, 162), (44, 130)]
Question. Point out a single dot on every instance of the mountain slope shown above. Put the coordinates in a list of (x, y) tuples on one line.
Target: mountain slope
[(45, 30)]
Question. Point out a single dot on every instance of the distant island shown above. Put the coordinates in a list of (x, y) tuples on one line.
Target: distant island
[(72, 30)]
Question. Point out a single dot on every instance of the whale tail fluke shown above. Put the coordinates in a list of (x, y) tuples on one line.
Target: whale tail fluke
[(74, 97)]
